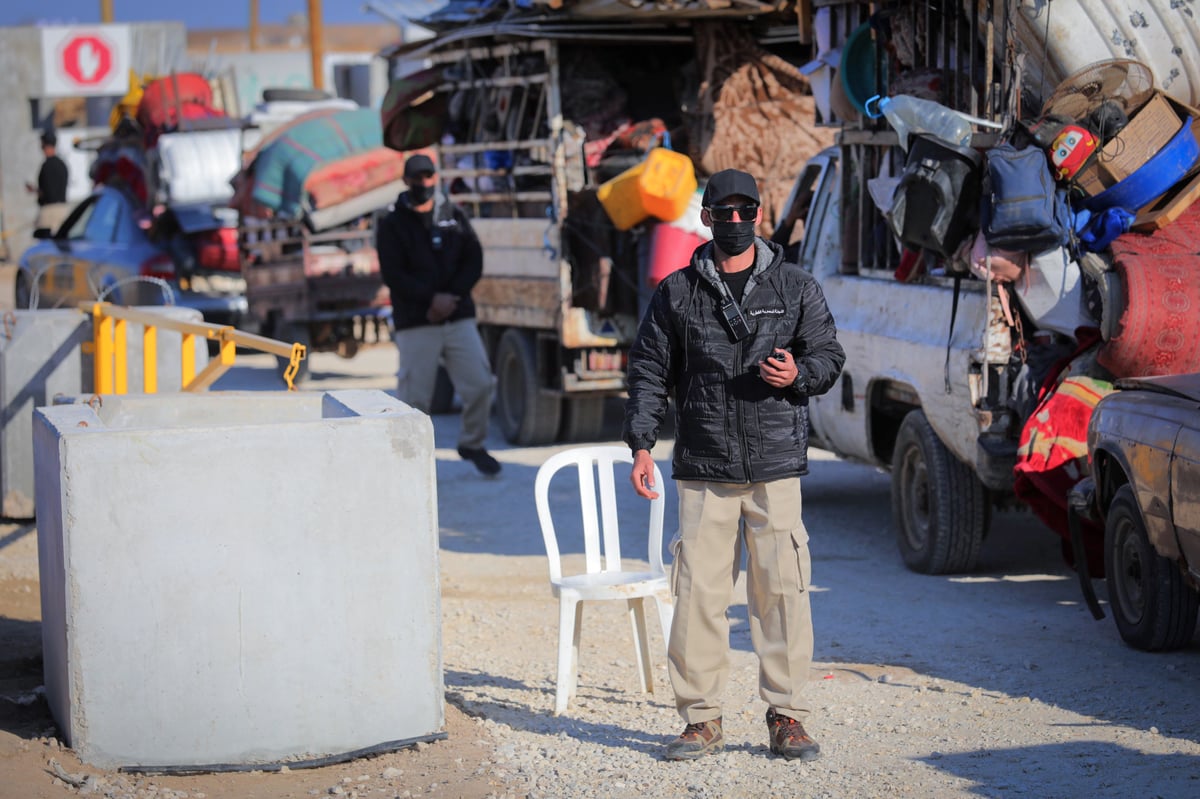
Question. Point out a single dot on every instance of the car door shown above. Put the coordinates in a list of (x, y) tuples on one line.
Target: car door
[(52, 264), (1185, 494), (103, 257)]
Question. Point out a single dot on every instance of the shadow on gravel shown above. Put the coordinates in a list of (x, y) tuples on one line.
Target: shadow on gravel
[(16, 535), (988, 629), (1084, 768), (526, 718), (23, 708)]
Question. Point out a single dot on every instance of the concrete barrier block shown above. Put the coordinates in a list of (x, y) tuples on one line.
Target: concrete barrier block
[(39, 357), (238, 577)]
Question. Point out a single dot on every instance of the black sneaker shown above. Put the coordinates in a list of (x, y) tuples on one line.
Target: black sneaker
[(485, 463), (696, 741), (789, 739)]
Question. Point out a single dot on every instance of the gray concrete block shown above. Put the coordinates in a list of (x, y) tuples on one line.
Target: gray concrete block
[(238, 577), (39, 357)]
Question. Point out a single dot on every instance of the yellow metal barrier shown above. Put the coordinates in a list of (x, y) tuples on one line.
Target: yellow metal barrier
[(111, 355)]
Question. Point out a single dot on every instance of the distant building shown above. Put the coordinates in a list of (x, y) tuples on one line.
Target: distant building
[(282, 59)]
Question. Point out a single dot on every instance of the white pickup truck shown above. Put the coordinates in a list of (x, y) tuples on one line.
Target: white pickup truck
[(928, 404)]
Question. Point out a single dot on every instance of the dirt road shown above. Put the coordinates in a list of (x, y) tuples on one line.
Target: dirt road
[(994, 684)]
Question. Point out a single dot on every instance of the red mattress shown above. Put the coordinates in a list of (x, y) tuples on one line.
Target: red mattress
[(1160, 323), (349, 177)]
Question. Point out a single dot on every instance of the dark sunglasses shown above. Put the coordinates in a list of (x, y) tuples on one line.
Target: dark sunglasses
[(724, 213)]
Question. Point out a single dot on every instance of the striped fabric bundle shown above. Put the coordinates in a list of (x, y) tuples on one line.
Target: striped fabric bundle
[(283, 166)]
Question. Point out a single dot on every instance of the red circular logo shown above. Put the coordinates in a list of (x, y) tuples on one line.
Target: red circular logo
[(87, 60)]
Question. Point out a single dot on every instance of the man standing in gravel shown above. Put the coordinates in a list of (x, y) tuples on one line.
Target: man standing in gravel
[(743, 337), (431, 259)]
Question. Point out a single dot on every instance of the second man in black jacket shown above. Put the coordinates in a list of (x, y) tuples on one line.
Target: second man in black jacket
[(430, 259)]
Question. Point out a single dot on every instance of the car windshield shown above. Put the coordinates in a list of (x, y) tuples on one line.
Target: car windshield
[(77, 226)]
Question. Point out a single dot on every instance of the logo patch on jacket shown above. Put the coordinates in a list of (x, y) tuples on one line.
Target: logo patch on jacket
[(767, 312)]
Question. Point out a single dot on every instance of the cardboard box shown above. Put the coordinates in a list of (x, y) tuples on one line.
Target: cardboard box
[(1148, 131)]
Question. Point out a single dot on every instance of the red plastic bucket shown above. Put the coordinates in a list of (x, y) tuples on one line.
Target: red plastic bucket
[(670, 249)]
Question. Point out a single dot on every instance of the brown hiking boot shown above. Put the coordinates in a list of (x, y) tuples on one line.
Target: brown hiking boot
[(697, 740), (789, 739)]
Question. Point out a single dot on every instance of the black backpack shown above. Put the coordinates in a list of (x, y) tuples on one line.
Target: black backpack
[(937, 201)]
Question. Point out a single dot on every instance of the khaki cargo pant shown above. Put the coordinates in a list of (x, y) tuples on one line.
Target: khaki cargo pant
[(458, 346), (707, 553)]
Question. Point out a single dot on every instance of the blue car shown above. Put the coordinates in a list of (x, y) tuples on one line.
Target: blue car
[(111, 248)]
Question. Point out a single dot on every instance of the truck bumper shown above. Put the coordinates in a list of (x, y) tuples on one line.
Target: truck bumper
[(995, 457)]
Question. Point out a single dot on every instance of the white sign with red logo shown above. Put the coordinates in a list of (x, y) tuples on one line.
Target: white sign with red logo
[(85, 62)]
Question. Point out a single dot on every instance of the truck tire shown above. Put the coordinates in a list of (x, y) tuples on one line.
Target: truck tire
[(940, 508), (582, 418), (528, 417), (22, 290), (1154, 608)]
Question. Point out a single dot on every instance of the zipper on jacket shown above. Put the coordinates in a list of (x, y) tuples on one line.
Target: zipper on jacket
[(737, 414)]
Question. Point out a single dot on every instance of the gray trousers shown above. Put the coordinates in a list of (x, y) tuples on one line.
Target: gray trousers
[(778, 573), (458, 346)]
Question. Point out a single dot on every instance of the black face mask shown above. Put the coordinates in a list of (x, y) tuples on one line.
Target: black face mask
[(419, 193), (733, 238)]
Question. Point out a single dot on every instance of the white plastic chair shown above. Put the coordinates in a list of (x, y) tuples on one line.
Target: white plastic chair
[(604, 577)]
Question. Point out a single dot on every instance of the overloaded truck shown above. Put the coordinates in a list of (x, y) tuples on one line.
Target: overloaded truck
[(976, 348), (974, 352), (576, 140)]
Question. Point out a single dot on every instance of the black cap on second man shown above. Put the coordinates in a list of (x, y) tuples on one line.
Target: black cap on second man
[(417, 164), (727, 183)]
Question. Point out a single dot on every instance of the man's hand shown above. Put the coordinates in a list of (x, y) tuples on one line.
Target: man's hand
[(441, 307), (29, 187), (779, 370), (642, 475)]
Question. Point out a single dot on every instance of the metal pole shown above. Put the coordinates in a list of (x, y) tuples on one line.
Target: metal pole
[(316, 43), (106, 11), (253, 33)]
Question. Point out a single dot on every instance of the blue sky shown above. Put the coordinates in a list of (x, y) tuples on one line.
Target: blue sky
[(206, 14)]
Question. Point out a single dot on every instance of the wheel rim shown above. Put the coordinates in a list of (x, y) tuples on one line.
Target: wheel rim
[(914, 494), (1130, 573)]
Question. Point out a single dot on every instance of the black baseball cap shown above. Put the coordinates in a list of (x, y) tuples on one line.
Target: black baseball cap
[(418, 163), (49, 138), (727, 183)]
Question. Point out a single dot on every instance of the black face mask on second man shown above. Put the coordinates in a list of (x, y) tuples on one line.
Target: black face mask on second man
[(419, 193)]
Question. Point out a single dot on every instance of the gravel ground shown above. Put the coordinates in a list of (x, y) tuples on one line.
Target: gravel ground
[(996, 684)]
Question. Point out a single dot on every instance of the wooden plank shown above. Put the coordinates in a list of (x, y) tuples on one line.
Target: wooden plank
[(517, 248), (524, 302)]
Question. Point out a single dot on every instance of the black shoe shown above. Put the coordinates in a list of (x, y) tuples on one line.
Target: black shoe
[(485, 463), (789, 739)]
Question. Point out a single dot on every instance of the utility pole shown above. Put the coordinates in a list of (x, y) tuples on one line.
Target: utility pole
[(106, 11), (253, 25), (316, 43)]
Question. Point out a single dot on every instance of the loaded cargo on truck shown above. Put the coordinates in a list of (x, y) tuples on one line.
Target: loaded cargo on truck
[(577, 140), (981, 322)]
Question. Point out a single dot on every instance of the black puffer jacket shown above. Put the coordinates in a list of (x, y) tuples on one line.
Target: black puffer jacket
[(731, 426), (417, 263)]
